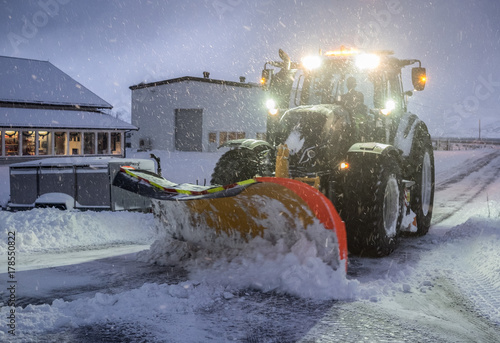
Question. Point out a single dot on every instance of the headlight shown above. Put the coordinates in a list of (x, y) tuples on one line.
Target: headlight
[(389, 106), (311, 62), (271, 107), (270, 104), (367, 61)]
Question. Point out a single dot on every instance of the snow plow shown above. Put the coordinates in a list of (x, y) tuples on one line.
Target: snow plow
[(268, 207), (353, 161)]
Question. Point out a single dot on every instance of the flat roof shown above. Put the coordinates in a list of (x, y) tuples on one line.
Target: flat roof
[(197, 79), (59, 119), (28, 81)]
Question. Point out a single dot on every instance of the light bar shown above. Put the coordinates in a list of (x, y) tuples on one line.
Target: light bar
[(342, 52)]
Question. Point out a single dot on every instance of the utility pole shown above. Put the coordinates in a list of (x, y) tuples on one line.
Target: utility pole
[(480, 129)]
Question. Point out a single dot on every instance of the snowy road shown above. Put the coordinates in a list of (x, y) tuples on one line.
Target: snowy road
[(444, 287)]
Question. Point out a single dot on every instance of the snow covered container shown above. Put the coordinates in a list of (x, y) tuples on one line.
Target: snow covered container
[(74, 182)]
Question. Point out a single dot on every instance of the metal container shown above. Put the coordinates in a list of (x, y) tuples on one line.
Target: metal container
[(74, 183)]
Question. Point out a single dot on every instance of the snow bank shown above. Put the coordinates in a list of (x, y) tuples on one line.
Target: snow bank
[(48, 229)]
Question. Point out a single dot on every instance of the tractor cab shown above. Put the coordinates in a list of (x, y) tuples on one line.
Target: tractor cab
[(368, 85)]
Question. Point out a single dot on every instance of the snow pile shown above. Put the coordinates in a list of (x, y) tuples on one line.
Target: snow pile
[(287, 258), (297, 270), (48, 229), (148, 304)]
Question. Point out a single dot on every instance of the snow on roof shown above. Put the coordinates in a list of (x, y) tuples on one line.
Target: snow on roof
[(40, 82), (193, 78), (53, 119)]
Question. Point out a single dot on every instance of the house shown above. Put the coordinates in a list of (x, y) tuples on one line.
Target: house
[(195, 114), (46, 113)]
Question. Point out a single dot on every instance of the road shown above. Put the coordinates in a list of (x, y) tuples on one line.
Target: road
[(409, 299)]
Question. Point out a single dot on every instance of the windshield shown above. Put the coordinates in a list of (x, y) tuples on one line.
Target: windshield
[(328, 87)]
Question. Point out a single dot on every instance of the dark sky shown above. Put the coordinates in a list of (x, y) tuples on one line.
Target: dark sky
[(111, 45)]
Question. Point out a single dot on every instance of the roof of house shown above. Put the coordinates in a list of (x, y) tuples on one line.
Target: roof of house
[(192, 78), (27, 81), (59, 119)]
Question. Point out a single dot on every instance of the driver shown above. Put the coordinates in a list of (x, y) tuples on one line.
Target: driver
[(354, 102)]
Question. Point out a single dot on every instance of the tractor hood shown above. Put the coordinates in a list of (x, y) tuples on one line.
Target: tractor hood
[(316, 136)]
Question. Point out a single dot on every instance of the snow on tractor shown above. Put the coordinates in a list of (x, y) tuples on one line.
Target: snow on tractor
[(341, 153)]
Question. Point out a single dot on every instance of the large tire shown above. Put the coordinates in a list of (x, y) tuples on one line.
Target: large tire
[(374, 205), (236, 165), (422, 193)]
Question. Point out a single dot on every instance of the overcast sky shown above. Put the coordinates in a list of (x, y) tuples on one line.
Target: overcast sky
[(111, 45)]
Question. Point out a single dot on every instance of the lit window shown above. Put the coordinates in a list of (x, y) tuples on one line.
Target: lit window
[(28, 143), (75, 143), (60, 143), (212, 137), (11, 143), (44, 143)]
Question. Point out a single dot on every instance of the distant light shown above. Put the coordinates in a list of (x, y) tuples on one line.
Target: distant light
[(344, 165), (311, 62), (367, 61)]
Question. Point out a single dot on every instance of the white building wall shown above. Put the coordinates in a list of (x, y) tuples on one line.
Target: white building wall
[(226, 108)]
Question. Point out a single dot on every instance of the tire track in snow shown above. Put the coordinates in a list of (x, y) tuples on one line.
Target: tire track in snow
[(449, 203), (467, 169)]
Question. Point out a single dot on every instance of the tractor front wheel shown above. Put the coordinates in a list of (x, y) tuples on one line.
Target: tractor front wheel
[(236, 165), (374, 206)]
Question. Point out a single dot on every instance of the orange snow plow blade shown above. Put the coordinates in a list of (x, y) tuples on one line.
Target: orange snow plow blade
[(267, 207)]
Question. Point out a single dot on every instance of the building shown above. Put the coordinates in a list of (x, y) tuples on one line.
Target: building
[(46, 113), (195, 114)]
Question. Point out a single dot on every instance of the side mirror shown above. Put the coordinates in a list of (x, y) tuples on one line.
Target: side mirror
[(418, 78), (266, 76)]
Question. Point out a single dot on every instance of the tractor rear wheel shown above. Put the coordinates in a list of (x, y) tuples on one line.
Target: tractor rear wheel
[(422, 194)]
